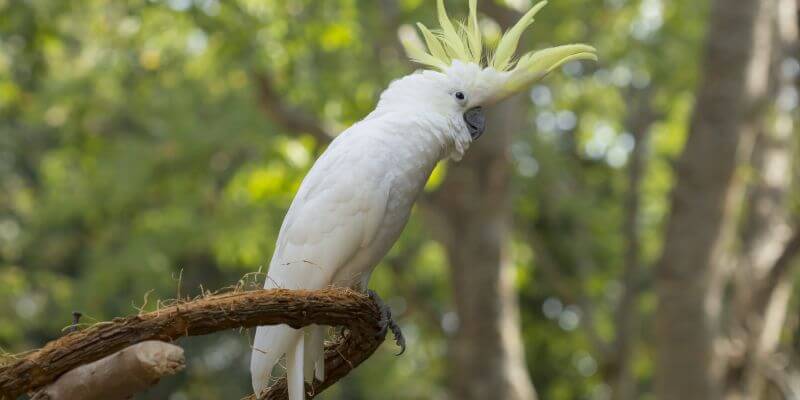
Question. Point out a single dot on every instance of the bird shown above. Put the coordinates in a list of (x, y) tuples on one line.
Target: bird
[(355, 200)]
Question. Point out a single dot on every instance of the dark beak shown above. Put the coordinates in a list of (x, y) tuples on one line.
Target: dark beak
[(476, 122)]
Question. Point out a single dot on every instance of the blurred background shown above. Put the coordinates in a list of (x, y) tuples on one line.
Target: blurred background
[(625, 230)]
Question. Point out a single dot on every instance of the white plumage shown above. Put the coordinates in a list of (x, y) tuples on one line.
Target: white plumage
[(356, 199)]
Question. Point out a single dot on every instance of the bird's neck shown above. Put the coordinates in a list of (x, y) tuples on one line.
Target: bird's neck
[(431, 135)]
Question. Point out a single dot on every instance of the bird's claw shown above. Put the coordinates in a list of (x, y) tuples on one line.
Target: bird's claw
[(399, 339), (387, 323)]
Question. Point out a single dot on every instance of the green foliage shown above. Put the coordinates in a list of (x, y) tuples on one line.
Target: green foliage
[(133, 151)]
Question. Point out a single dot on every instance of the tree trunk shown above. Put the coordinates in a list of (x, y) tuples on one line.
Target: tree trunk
[(689, 278), (760, 307), (473, 211), (757, 323)]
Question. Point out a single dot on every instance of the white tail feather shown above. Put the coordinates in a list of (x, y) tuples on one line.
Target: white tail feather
[(269, 345), (308, 361), (315, 353), (305, 356), (294, 371)]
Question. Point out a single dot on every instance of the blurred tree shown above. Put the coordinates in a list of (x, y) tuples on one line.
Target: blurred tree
[(769, 239), (690, 276)]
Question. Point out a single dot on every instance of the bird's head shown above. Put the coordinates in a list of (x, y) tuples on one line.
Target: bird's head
[(463, 76)]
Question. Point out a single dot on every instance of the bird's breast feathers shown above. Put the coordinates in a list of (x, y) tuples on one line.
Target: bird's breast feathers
[(342, 214)]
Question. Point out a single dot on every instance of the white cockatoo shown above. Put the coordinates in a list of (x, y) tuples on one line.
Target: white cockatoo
[(356, 199)]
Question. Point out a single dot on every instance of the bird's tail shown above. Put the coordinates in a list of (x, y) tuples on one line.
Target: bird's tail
[(304, 350)]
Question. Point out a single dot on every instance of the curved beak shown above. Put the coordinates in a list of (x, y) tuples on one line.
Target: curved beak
[(476, 122)]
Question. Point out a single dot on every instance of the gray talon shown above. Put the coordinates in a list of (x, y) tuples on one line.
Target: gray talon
[(398, 336), (387, 323)]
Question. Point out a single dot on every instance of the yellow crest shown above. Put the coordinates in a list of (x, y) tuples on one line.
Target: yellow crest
[(464, 42)]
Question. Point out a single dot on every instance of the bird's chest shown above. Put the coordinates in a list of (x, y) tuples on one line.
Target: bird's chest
[(408, 179)]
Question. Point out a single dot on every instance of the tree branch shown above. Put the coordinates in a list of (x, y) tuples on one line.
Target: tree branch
[(296, 308), (118, 376), (290, 118), (781, 267)]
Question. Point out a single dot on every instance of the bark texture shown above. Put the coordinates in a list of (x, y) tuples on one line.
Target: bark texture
[(296, 308), (473, 210), (727, 112), (118, 376)]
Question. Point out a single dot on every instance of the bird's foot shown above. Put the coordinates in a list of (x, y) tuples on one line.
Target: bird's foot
[(387, 323)]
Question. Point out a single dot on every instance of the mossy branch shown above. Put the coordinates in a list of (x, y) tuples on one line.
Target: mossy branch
[(297, 308)]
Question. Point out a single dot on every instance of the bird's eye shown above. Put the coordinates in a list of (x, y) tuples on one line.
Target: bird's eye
[(460, 96)]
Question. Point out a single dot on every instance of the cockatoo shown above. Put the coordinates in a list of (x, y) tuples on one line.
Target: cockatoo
[(357, 197)]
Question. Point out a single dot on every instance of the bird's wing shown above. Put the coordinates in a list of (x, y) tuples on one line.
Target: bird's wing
[(338, 210)]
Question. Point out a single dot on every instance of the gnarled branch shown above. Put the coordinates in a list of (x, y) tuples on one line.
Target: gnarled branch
[(296, 308)]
